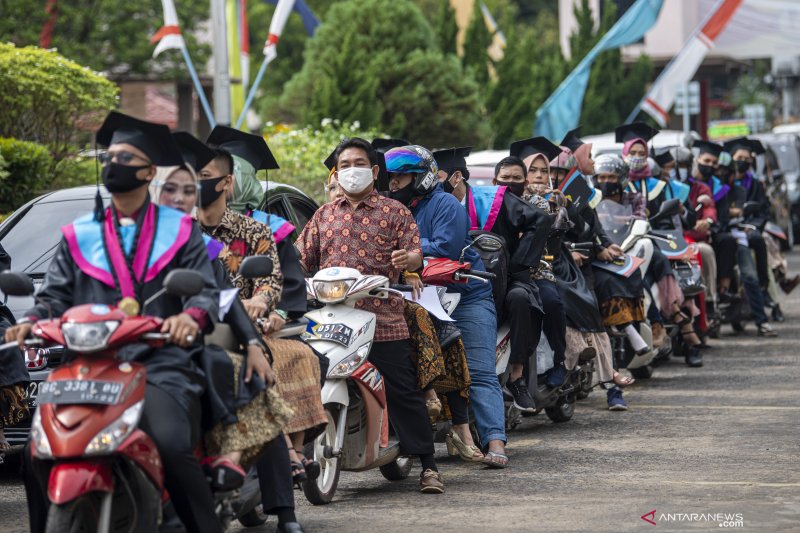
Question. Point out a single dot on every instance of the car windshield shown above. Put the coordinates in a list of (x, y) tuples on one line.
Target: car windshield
[(787, 157), (33, 239)]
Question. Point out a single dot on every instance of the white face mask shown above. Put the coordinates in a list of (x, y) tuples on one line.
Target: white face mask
[(355, 179)]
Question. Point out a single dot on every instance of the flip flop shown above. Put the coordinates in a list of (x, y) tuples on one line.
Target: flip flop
[(491, 462), (622, 381)]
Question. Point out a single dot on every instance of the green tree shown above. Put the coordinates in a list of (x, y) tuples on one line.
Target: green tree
[(108, 35), (476, 42), (447, 28), (48, 99), (352, 72)]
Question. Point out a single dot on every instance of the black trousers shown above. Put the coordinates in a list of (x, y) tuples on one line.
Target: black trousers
[(407, 412), (525, 323), (725, 247), (555, 320), (759, 247), (275, 476), (174, 432)]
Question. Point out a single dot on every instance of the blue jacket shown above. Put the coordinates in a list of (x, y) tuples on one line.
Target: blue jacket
[(443, 229)]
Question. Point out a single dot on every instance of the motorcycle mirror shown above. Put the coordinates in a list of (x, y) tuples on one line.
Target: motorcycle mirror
[(256, 266), (16, 283), (184, 283), (475, 241), (750, 209), (668, 209)]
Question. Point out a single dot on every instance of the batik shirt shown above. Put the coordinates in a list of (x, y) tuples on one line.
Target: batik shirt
[(363, 237)]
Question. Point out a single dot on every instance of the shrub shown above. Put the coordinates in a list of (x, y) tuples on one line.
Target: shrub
[(27, 167)]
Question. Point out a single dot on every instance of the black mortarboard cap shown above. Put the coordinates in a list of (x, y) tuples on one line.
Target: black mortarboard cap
[(154, 140), (663, 156), (193, 150), (743, 143), (330, 161), (534, 145), (452, 157), (384, 145), (572, 140), (251, 148), (634, 130), (706, 147)]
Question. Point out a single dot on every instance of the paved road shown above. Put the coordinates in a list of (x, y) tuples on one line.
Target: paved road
[(724, 438)]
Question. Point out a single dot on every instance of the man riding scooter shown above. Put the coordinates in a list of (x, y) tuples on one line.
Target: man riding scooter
[(144, 242)]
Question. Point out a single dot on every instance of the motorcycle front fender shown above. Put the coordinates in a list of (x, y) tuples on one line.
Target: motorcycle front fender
[(335, 391), (71, 480)]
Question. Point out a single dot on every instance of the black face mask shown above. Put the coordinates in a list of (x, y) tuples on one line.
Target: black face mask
[(742, 166), (610, 188), (404, 195), (122, 178), (447, 186), (518, 189), (707, 171), (209, 192)]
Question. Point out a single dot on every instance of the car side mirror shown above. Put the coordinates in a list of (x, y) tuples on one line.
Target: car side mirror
[(256, 266), (184, 283), (16, 283)]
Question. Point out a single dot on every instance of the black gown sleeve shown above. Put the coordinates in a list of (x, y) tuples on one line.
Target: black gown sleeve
[(534, 226), (194, 256), (759, 195), (293, 296), (237, 317), (689, 217), (55, 295)]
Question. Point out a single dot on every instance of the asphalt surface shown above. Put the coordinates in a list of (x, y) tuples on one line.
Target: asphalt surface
[(695, 446)]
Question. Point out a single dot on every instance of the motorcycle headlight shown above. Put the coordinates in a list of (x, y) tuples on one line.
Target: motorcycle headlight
[(346, 366), (41, 445), (115, 433), (88, 337), (331, 292)]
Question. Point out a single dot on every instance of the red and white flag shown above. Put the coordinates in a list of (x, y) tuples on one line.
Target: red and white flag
[(169, 36), (658, 101), (279, 18)]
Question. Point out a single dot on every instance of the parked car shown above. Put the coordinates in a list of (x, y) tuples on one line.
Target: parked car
[(780, 166), (32, 233)]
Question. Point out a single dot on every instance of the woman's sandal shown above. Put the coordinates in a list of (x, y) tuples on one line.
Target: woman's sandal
[(496, 460), (622, 381), (467, 452), (684, 318), (225, 475), (687, 335), (298, 473), (312, 468)]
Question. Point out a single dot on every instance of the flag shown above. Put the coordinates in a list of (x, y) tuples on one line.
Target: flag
[(282, 11), (561, 111), (244, 49), (680, 71), (310, 21), (237, 93), (169, 36)]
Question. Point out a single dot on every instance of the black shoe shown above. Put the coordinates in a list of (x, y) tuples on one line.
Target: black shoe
[(693, 357), (290, 527), (521, 395), (777, 314)]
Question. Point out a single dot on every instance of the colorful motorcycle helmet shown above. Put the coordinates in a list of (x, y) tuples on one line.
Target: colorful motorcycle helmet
[(414, 159), (563, 161), (612, 164)]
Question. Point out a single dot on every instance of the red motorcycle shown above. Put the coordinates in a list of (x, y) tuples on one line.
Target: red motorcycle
[(106, 473)]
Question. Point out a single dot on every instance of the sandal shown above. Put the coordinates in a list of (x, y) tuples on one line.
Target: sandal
[(311, 467), (684, 319), (496, 460), (224, 475), (690, 337), (434, 407), (467, 452), (298, 473), (622, 381)]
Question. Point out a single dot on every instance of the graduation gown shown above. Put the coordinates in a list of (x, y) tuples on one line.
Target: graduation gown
[(90, 267), (756, 192), (668, 190)]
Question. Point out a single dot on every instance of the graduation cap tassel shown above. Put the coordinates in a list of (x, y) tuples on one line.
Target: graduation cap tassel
[(99, 210)]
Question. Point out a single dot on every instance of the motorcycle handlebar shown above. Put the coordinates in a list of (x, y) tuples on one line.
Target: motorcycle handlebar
[(28, 342), (155, 337), (482, 274)]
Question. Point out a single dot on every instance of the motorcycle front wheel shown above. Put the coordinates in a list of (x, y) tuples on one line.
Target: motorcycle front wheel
[(321, 490), (81, 515), (562, 411)]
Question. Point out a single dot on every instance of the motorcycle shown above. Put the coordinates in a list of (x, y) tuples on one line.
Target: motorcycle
[(354, 396), (105, 471)]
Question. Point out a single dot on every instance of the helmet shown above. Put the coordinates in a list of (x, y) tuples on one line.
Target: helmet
[(563, 161), (414, 159), (612, 164), (655, 168)]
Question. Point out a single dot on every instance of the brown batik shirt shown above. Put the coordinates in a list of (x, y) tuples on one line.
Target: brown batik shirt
[(364, 237)]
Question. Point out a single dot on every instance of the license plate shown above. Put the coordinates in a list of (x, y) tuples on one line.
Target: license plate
[(77, 391), (31, 392), (338, 333)]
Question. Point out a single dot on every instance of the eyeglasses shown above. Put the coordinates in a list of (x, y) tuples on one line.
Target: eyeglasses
[(187, 190), (122, 157)]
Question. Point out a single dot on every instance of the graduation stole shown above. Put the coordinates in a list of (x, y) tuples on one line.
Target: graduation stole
[(649, 187), (483, 206), (213, 246), (718, 189), (97, 251), (679, 190), (280, 227)]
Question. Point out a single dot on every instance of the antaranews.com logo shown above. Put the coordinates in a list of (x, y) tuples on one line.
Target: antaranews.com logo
[(726, 520)]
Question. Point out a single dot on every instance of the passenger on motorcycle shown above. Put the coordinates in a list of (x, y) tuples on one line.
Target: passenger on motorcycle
[(80, 274), (443, 227), (377, 236)]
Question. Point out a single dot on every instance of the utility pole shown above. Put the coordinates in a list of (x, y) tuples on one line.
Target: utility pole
[(222, 89)]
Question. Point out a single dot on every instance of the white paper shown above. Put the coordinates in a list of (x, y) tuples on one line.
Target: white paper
[(430, 301), (741, 237), (226, 299)]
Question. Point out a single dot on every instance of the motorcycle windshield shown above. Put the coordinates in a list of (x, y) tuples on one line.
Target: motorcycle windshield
[(616, 219)]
